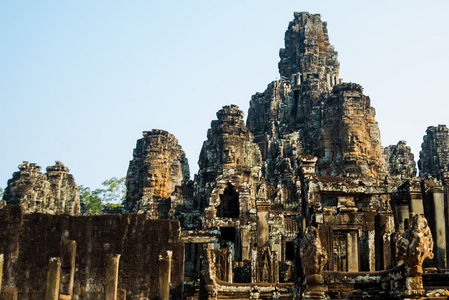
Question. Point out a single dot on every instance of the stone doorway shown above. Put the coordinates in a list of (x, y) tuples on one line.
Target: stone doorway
[(345, 251)]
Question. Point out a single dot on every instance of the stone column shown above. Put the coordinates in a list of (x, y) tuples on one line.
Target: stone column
[(53, 279), (229, 266), (445, 179), (164, 274), (254, 273), (246, 243), (112, 277), (262, 223), (352, 251), (371, 250), (1, 272), (275, 266), (68, 254), (440, 228)]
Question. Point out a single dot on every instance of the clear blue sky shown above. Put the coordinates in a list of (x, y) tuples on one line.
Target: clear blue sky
[(81, 80)]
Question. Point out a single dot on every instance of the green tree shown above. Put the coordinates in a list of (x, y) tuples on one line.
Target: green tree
[(113, 195), (1, 193), (91, 199), (115, 191)]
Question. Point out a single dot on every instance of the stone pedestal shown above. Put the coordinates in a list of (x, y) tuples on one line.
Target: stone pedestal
[(315, 289), (309, 295)]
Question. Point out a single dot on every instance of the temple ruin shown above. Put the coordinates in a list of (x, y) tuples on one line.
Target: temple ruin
[(301, 201)]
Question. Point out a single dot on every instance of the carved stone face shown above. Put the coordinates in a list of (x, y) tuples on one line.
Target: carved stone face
[(228, 155), (153, 178)]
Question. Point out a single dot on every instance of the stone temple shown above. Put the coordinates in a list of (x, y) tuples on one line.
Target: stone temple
[(300, 201)]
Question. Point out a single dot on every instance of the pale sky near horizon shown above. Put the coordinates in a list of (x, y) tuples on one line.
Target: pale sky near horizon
[(81, 80)]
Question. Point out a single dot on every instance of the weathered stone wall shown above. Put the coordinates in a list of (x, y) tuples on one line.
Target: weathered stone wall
[(434, 154), (29, 240), (54, 192), (159, 165)]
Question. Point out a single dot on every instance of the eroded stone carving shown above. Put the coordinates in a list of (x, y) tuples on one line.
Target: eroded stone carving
[(310, 155), (416, 245), (54, 192), (313, 259), (230, 166), (401, 160), (434, 154), (265, 265), (159, 165), (307, 51), (309, 111), (350, 140), (313, 255)]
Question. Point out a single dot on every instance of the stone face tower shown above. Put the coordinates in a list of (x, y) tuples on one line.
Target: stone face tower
[(54, 192), (401, 160), (309, 111), (228, 146), (229, 165), (158, 166), (349, 141), (434, 156), (307, 52)]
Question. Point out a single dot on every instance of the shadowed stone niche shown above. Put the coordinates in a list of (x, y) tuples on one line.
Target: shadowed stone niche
[(229, 203), (264, 265), (159, 165), (54, 192)]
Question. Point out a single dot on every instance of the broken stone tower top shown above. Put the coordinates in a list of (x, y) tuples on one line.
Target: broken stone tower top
[(307, 52)]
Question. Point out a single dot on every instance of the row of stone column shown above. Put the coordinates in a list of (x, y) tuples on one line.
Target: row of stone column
[(56, 265), (61, 274)]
